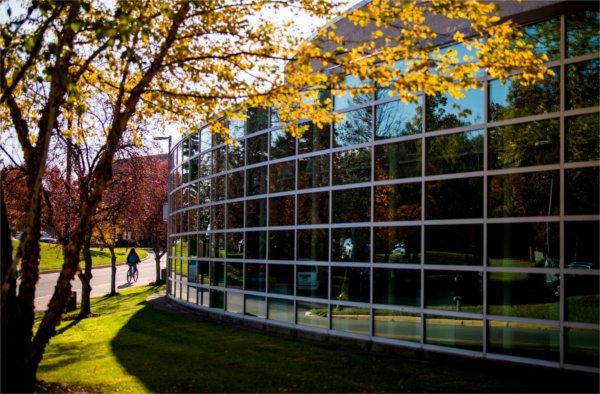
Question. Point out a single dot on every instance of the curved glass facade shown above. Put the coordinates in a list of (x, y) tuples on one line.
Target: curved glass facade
[(468, 226)]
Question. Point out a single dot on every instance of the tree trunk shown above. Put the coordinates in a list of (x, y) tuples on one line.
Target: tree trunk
[(86, 279), (113, 271)]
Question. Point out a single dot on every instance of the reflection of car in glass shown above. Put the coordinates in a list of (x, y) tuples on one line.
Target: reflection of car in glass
[(347, 248), (582, 265), (307, 278), (398, 251)]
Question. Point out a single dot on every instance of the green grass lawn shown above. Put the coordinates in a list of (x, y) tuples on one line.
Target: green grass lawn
[(135, 347), (51, 256)]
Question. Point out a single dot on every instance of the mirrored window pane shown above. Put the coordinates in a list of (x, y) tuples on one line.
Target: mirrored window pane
[(582, 33), (355, 128), (235, 245), (281, 279), (235, 185), (217, 187), (255, 276), (445, 112), (235, 302), (397, 325), (400, 160), (313, 245), (256, 245), (281, 245), (313, 172), (281, 310), (513, 100), (312, 314), (582, 347), (581, 191), (218, 160), (203, 272), (524, 339), (235, 155), (257, 119), (256, 181), (524, 295), (351, 244), (582, 294), (314, 139), (583, 84), (397, 287), (203, 245), (398, 202), (218, 217), (282, 144), (282, 176), (458, 291), (454, 244), (256, 306), (351, 205), (523, 245), (456, 332), (217, 299), (217, 247), (256, 213), (351, 319), (396, 119), (235, 275), (397, 245), (282, 211), (312, 281), (257, 149), (313, 208), (351, 166), (582, 138), (581, 245), (527, 144), (529, 194), (350, 284), (460, 152), (237, 128), (544, 37), (454, 198), (217, 273)]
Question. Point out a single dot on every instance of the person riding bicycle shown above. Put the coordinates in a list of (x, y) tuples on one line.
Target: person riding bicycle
[(133, 260)]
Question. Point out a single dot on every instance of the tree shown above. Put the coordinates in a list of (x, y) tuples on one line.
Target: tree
[(193, 62)]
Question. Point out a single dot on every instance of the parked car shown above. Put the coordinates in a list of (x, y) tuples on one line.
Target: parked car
[(45, 237)]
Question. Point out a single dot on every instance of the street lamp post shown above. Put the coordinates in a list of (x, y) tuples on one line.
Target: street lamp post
[(169, 188)]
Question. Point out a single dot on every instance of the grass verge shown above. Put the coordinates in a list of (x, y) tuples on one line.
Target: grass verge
[(131, 346), (51, 255)]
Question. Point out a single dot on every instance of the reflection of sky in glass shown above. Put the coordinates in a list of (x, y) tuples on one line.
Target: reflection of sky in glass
[(236, 128), (467, 110), (396, 118), (545, 37), (354, 129), (345, 100)]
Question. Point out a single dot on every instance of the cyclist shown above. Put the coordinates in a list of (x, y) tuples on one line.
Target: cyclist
[(132, 261)]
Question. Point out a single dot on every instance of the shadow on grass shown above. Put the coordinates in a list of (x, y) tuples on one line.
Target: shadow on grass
[(172, 353)]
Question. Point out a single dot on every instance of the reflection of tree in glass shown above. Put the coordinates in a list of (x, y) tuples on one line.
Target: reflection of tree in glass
[(534, 143), (459, 152), (441, 115), (524, 100), (582, 33), (544, 37), (395, 119), (400, 160), (583, 84), (352, 166), (530, 194), (398, 202), (582, 138), (355, 128)]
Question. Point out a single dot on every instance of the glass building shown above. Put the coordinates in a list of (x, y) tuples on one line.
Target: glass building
[(466, 226)]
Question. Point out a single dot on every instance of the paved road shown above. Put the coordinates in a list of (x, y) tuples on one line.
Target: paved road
[(100, 281)]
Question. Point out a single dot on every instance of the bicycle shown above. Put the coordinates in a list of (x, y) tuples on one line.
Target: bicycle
[(132, 274)]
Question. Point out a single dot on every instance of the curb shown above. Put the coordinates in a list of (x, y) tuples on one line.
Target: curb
[(54, 271)]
